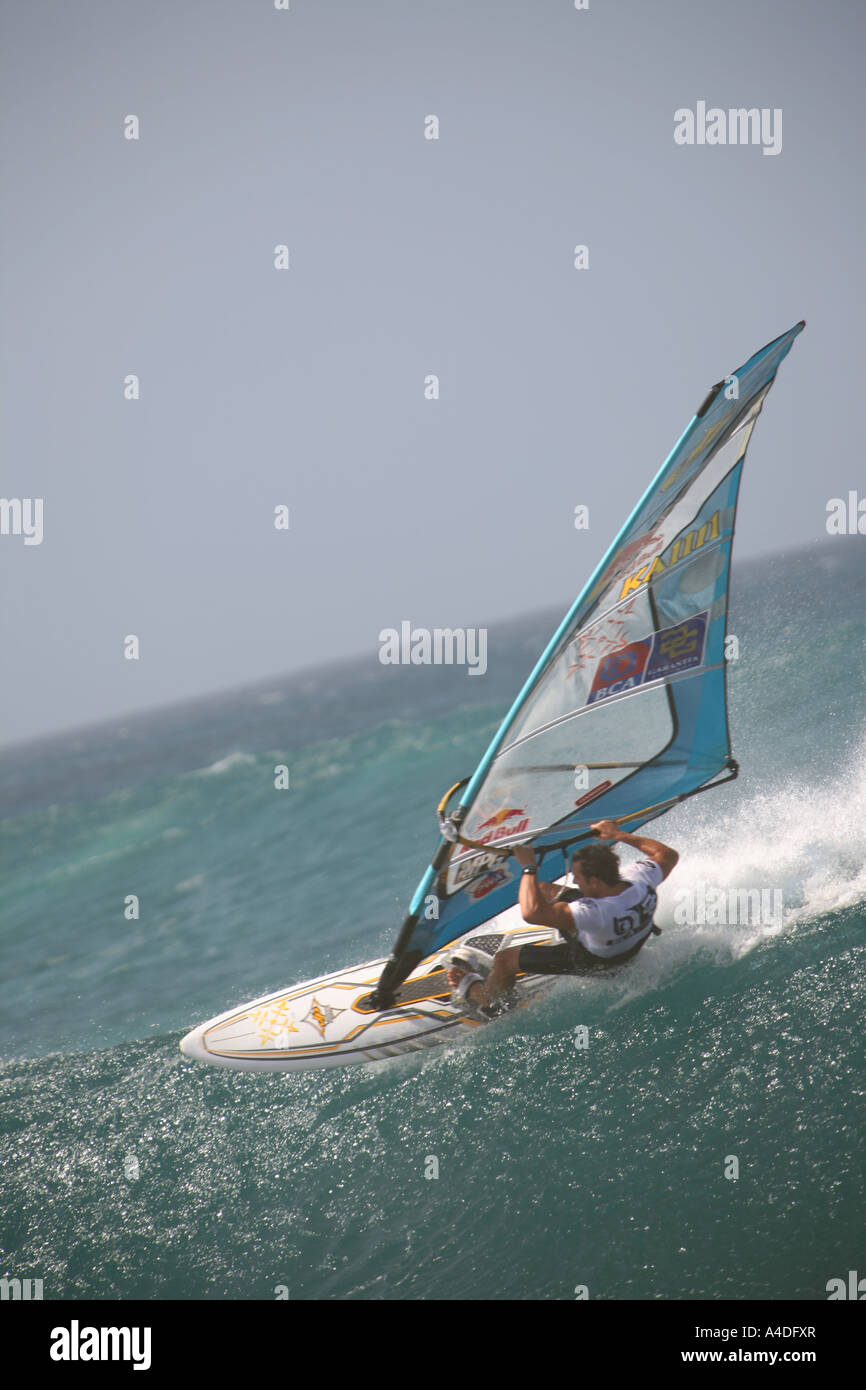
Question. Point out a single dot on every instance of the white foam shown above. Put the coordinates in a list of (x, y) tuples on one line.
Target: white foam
[(225, 764), (806, 839)]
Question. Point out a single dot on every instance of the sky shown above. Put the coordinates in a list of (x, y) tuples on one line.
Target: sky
[(408, 256)]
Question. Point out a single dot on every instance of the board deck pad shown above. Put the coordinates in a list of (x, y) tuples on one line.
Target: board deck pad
[(433, 986)]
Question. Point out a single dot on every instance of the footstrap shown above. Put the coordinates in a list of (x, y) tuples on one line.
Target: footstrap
[(462, 989)]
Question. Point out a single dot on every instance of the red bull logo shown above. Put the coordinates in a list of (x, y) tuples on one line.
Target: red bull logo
[(508, 822)]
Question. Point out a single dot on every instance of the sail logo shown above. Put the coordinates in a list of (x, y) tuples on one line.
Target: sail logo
[(627, 556), (678, 643), (661, 654), (494, 879), (509, 822), (736, 126), (682, 547), (22, 516), (621, 671), (593, 793), (468, 869)]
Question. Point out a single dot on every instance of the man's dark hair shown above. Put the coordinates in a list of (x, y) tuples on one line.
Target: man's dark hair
[(598, 861)]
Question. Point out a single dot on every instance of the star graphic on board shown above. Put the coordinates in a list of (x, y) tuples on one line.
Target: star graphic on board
[(273, 1022), (320, 1015)]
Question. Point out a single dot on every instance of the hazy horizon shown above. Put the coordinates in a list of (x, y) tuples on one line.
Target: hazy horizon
[(149, 264), (548, 617)]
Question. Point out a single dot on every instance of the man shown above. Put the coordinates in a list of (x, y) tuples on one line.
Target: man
[(606, 926)]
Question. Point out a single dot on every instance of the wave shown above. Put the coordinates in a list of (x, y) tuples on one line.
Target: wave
[(226, 764)]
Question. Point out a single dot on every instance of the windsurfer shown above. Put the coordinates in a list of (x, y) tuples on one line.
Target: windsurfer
[(606, 926)]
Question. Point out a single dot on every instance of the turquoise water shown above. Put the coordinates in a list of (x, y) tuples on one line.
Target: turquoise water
[(130, 1171)]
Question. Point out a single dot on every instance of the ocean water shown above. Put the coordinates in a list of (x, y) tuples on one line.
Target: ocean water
[(129, 1171)]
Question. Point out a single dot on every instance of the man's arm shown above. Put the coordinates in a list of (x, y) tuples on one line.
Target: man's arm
[(549, 891), (534, 899), (660, 854)]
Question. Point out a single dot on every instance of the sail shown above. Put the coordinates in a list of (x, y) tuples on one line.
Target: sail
[(625, 712)]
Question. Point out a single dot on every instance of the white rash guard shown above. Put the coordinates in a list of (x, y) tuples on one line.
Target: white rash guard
[(611, 926)]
